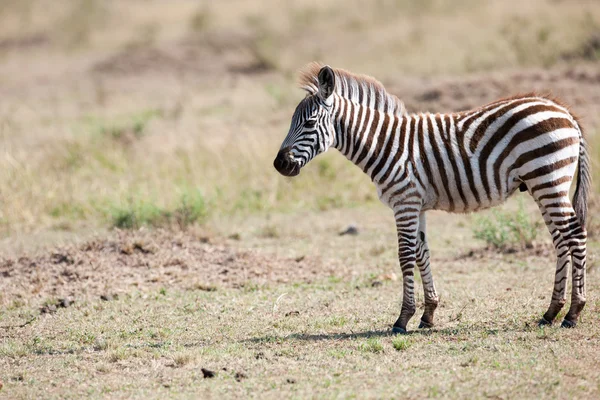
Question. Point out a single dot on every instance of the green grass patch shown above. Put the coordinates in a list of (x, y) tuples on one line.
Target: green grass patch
[(401, 343), (191, 208), (371, 345), (508, 230)]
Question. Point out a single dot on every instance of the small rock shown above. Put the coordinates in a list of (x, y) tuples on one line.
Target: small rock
[(260, 355), (235, 236), (376, 283), (138, 246), (292, 313), (59, 258), (299, 259), (350, 230), (290, 381), (100, 344), (239, 376), (208, 373), (48, 309), (64, 303), (206, 287), (388, 277), (1, 385)]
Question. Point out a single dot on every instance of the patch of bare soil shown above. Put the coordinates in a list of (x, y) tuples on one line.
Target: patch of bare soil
[(143, 260), (578, 86), (215, 54), (539, 249)]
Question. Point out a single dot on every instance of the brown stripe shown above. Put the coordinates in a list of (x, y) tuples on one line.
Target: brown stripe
[(437, 153), (359, 131), (371, 134), (550, 184), (478, 113), (411, 148), (548, 168), (423, 155), (394, 181), (490, 119), (385, 146), (353, 131), (342, 124), (468, 170), (398, 154), (360, 93), (529, 133), (500, 133), (445, 134), (347, 116)]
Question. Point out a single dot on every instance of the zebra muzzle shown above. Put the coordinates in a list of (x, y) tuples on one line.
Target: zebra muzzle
[(285, 164)]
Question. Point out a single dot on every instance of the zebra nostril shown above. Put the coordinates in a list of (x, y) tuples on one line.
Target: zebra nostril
[(285, 164)]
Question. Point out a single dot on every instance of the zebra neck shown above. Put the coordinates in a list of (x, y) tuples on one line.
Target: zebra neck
[(364, 134)]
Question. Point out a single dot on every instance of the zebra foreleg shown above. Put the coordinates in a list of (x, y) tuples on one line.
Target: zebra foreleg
[(431, 296), (407, 245)]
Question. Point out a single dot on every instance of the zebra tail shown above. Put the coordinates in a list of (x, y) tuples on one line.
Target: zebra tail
[(584, 182)]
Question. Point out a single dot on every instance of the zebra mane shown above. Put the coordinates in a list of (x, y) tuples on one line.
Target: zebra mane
[(357, 88)]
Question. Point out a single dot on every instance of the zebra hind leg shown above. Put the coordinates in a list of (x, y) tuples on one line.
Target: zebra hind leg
[(577, 238), (563, 258), (573, 236), (431, 296)]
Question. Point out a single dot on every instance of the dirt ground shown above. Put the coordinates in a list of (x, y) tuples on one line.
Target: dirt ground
[(147, 261), (294, 313)]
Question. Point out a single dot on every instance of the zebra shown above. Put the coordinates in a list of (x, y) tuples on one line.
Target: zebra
[(458, 162)]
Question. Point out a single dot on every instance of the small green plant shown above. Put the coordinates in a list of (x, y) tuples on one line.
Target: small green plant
[(400, 343), (136, 214), (507, 230), (192, 208), (372, 345), (337, 321)]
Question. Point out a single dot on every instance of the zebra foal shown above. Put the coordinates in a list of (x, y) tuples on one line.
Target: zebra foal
[(457, 162)]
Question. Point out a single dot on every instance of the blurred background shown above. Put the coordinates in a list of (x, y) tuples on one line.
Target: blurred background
[(134, 113)]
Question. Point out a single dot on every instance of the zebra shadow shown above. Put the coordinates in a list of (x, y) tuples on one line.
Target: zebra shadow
[(449, 332)]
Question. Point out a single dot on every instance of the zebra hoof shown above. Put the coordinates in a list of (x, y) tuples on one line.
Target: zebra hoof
[(425, 325), (544, 322), (568, 324), (396, 330)]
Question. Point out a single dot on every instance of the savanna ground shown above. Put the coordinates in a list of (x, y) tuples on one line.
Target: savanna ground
[(147, 242)]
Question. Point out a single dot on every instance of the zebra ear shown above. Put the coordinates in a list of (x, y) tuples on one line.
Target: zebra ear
[(326, 82)]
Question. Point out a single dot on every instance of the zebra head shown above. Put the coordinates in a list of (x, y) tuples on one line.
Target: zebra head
[(311, 131)]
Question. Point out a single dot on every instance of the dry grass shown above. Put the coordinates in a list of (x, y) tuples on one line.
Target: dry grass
[(328, 338), (113, 120)]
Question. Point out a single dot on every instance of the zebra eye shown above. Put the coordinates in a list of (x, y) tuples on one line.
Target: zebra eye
[(310, 123)]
